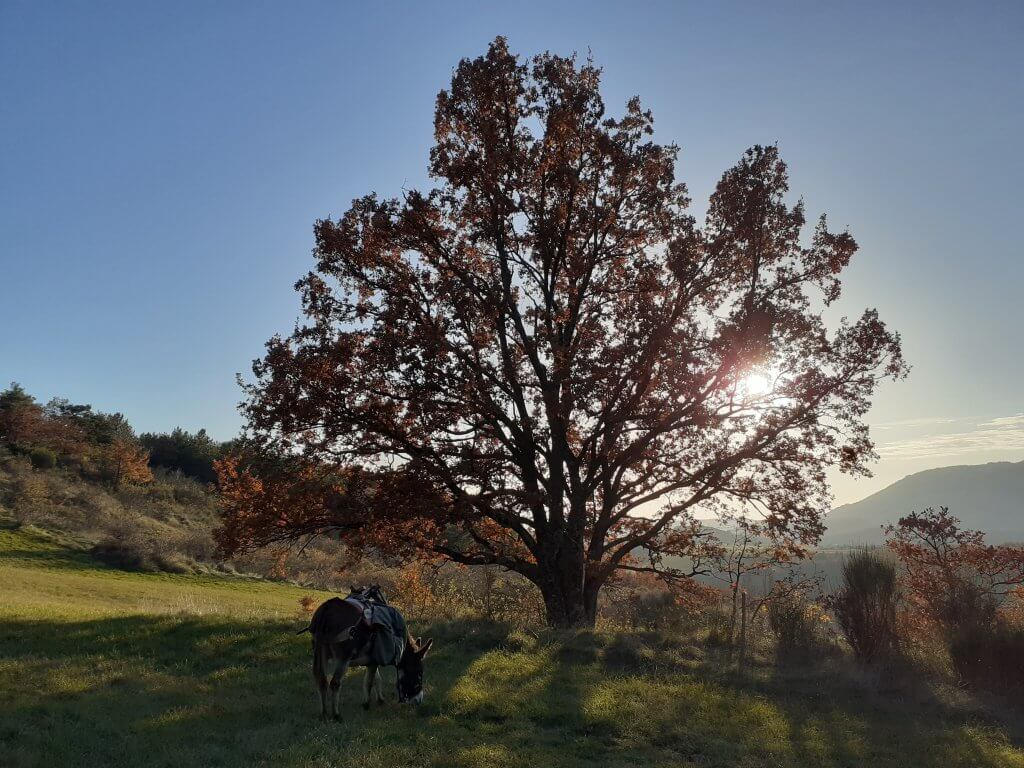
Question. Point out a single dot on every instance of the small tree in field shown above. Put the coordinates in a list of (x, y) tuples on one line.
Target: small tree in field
[(950, 573), (124, 462), (750, 548), (544, 364)]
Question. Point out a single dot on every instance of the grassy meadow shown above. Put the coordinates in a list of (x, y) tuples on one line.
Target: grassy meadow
[(103, 667)]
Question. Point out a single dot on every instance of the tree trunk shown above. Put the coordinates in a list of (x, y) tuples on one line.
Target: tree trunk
[(743, 632), (565, 611), (732, 617), (570, 600)]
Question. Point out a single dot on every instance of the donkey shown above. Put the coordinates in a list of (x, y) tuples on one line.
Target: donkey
[(357, 632)]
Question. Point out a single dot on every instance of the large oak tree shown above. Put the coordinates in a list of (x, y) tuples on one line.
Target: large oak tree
[(545, 363)]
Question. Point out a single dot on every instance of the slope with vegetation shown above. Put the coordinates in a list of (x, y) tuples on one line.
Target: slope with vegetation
[(85, 475), (58, 474)]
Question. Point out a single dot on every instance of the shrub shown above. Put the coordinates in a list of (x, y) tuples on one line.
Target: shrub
[(1012, 609), (651, 609), (642, 601), (100, 511), (865, 605), (967, 606), (794, 620), (134, 543), (125, 554), (196, 544), (156, 492), (137, 552), (657, 610), (989, 655), (30, 496), (43, 458), (986, 646)]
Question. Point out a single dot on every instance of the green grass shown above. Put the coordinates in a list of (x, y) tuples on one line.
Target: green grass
[(100, 667)]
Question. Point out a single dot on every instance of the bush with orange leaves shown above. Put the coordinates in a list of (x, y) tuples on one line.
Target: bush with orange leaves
[(1011, 612), (968, 590), (949, 573), (413, 589), (434, 589)]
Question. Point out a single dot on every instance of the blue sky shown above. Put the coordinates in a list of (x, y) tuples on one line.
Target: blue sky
[(161, 165)]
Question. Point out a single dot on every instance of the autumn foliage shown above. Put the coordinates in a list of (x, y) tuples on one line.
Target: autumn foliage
[(541, 362), (950, 574), (124, 462), (24, 425), (966, 592), (99, 445), (268, 501)]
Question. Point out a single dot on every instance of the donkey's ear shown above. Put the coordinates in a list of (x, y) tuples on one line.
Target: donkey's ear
[(422, 649)]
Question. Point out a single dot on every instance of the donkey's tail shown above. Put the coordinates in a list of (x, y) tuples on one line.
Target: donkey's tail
[(303, 631)]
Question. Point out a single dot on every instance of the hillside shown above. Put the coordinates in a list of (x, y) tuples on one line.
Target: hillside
[(103, 667), (987, 497), (164, 525)]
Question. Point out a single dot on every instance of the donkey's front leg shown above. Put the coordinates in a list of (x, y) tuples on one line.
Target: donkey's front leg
[(368, 683), (339, 673)]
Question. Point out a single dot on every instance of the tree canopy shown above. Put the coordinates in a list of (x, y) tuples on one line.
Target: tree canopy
[(190, 453)]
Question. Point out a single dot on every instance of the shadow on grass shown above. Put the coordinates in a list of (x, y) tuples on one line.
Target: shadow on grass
[(627, 699), (145, 690), (29, 546), (171, 691)]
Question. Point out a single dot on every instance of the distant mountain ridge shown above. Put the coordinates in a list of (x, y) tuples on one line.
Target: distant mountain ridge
[(986, 497)]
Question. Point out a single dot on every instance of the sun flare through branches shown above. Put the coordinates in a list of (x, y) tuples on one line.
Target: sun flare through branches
[(757, 385)]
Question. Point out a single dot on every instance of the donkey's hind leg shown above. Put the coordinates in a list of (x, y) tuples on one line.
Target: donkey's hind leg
[(320, 676), (339, 673)]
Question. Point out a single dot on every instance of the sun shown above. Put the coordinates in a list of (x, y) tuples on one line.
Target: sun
[(756, 385)]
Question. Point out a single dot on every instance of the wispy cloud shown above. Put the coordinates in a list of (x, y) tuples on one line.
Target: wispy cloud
[(1005, 433), (1005, 422), (932, 421)]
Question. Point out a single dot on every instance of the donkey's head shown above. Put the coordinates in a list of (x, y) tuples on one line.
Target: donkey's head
[(410, 671)]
